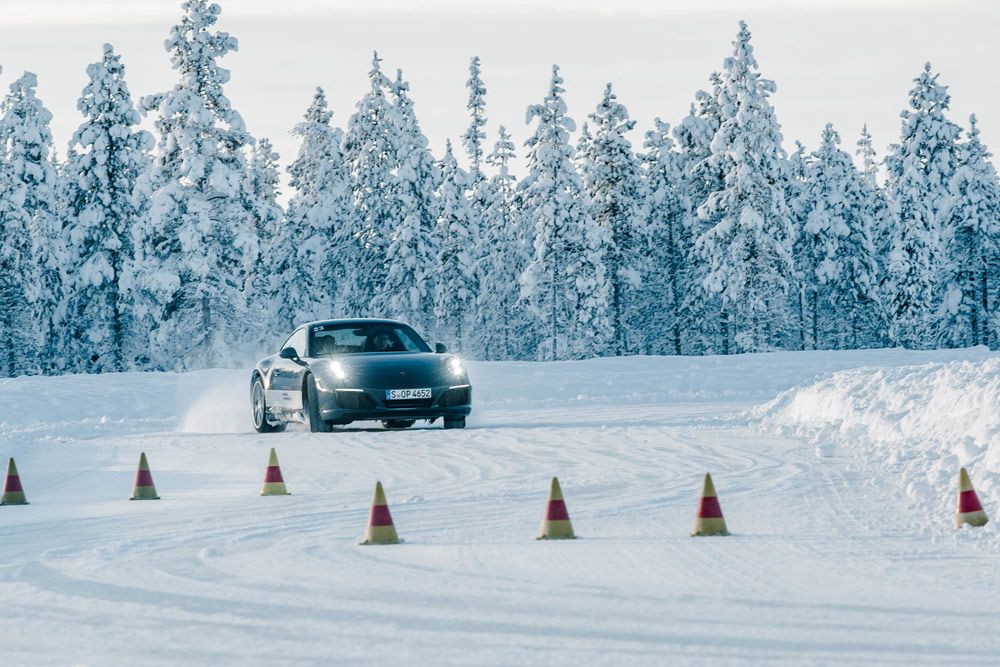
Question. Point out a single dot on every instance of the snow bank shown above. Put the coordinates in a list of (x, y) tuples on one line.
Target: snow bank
[(915, 424)]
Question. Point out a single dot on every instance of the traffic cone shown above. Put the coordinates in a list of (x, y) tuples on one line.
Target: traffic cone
[(556, 525), (274, 483), (709, 519), (380, 527), (970, 510), (144, 487), (13, 494)]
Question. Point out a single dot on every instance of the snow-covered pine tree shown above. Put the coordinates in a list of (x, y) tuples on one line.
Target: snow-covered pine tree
[(796, 192), (196, 240), (837, 256), (474, 137), (919, 169), (613, 181), (668, 283), (480, 189), (20, 281), (565, 281), (304, 257), (869, 158), (106, 156), (877, 204), (747, 249), (263, 187), (501, 320), (26, 145), (409, 289), (370, 155), (971, 248), (455, 265), (700, 309)]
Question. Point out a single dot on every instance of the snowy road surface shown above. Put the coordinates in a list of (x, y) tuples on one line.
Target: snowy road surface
[(844, 557)]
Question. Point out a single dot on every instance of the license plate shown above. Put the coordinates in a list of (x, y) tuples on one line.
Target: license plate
[(404, 394)]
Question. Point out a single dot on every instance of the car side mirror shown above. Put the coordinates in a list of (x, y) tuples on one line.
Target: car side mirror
[(440, 348), (288, 353)]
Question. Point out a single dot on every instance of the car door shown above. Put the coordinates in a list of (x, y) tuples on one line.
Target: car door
[(285, 391)]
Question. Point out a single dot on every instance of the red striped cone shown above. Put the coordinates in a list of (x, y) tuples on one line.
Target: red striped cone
[(556, 524), (970, 510), (274, 483), (709, 520), (13, 494), (380, 527), (144, 487)]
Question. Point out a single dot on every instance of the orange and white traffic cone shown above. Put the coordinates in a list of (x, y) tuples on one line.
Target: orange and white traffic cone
[(380, 527), (556, 524), (709, 520), (274, 483), (970, 510), (13, 494), (144, 487)]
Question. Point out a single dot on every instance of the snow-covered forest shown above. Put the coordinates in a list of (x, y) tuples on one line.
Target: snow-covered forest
[(174, 250)]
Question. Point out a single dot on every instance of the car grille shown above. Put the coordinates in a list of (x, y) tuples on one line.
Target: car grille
[(354, 400), (409, 403)]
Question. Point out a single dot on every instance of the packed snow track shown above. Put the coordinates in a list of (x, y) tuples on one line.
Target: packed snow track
[(840, 552)]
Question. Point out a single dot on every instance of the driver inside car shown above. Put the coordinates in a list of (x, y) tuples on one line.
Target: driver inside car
[(380, 341)]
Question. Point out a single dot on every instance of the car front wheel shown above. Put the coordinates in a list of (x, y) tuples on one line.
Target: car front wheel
[(457, 422), (311, 400)]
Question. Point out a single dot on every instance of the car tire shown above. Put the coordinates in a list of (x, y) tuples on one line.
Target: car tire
[(258, 408), (397, 424), (456, 422), (310, 399)]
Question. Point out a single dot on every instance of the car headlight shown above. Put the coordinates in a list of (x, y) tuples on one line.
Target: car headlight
[(456, 367), (337, 370)]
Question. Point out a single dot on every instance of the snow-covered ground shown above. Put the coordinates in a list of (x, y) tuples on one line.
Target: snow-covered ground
[(836, 472)]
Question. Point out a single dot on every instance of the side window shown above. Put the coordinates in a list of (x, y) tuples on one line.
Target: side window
[(298, 341)]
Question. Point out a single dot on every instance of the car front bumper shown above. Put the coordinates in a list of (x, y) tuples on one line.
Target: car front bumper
[(345, 405)]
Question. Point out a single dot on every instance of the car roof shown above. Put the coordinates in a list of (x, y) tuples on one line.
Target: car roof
[(355, 320)]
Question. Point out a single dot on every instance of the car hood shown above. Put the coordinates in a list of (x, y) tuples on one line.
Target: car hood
[(396, 370)]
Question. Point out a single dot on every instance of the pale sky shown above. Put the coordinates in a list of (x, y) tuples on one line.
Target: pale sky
[(847, 62)]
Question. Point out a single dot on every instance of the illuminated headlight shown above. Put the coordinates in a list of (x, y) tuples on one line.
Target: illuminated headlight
[(456, 367), (337, 370)]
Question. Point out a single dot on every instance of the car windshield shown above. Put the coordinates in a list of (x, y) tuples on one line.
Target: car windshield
[(326, 340)]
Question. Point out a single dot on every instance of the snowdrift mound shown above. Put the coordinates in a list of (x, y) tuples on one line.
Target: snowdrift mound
[(914, 424)]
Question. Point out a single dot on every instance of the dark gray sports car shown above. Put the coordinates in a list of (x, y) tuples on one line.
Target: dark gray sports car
[(342, 371)]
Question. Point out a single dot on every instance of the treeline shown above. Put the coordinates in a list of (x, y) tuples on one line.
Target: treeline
[(172, 251)]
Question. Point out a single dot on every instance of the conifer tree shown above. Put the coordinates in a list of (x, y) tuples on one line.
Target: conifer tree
[(266, 214), (370, 154), (612, 178), (919, 170), (837, 253), (454, 296), (796, 195), (971, 248), (474, 136), (20, 283), (409, 256), (700, 309), (26, 143), (501, 320), (190, 262), (565, 281), (107, 155), (747, 249), (304, 255), (666, 289), (876, 203)]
